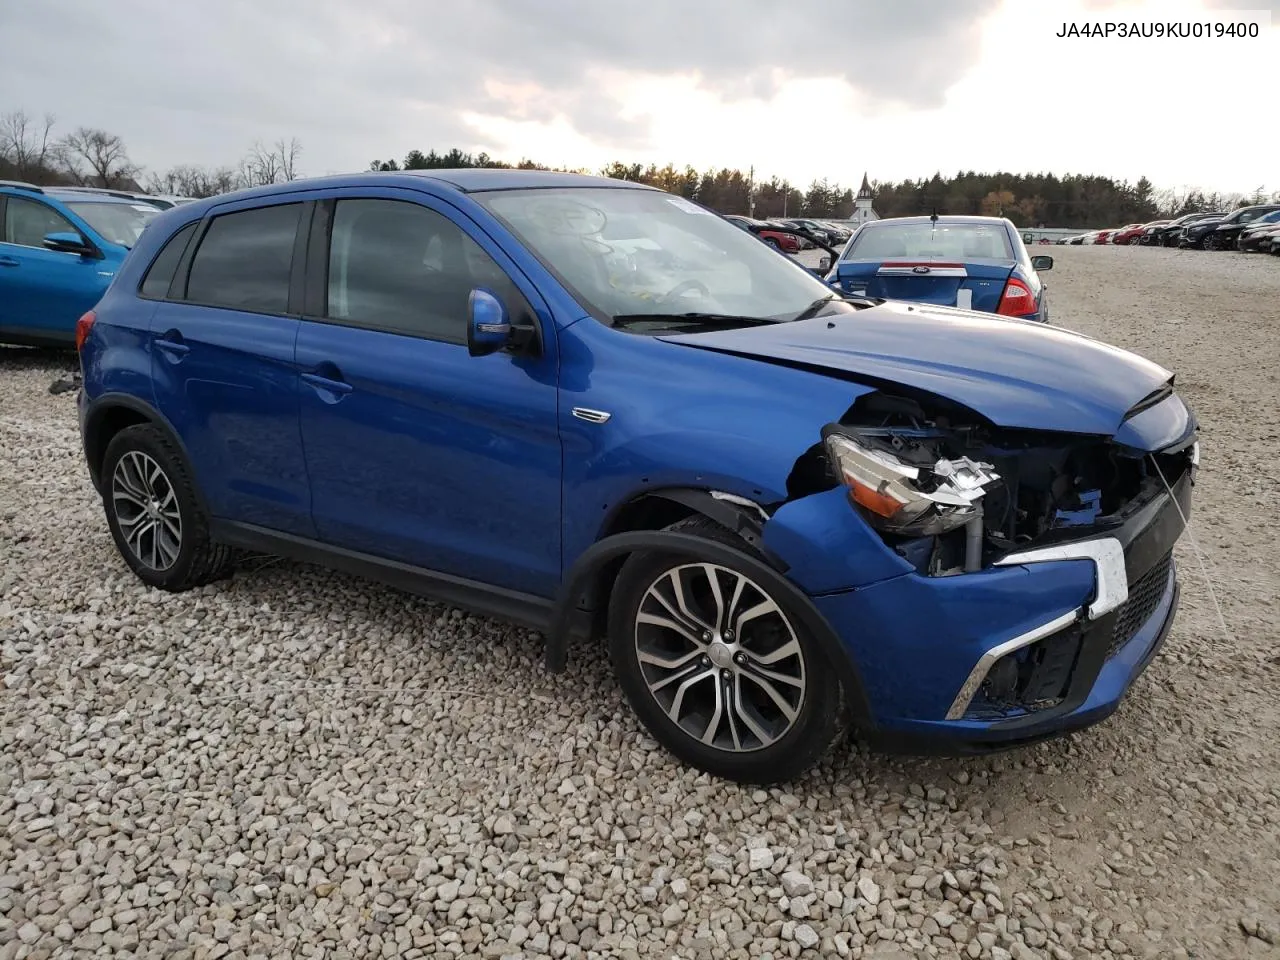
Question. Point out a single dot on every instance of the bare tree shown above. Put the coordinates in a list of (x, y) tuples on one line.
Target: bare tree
[(192, 181), (288, 153), (103, 153), (26, 146), (275, 164)]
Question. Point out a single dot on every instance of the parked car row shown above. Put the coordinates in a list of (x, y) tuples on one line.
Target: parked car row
[(1255, 228), (792, 235)]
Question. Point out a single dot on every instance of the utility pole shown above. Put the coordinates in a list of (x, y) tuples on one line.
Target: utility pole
[(751, 191)]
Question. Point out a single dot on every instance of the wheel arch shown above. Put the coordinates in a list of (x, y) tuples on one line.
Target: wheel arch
[(110, 413), (587, 578), (637, 524)]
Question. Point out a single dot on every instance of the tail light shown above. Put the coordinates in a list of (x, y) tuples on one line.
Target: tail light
[(83, 326), (1017, 299)]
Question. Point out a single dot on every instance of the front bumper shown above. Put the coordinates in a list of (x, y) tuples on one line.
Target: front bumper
[(1084, 628)]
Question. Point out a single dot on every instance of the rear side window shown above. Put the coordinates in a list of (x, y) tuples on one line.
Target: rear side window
[(244, 260), (156, 284)]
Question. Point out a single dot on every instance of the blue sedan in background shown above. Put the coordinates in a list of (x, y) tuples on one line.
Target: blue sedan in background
[(974, 263), (59, 250)]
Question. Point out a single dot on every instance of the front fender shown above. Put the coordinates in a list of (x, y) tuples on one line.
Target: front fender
[(827, 546), (717, 422)]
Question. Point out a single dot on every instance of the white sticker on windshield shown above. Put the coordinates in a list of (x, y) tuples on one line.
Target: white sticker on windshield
[(682, 204)]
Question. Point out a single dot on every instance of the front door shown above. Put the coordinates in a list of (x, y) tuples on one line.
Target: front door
[(43, 292), (417, 451)]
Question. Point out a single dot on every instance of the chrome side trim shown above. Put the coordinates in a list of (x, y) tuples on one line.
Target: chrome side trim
[(592, 416), (969, 688), (1108, 562)]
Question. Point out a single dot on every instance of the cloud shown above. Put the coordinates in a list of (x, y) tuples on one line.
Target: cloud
[(182, 82)]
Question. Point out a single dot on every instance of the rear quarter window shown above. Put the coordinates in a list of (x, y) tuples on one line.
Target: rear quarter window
[(155, 285)]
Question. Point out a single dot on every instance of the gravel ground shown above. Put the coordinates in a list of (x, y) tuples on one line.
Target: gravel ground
[(297, 763)]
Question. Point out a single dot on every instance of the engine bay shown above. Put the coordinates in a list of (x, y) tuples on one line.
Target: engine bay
[(1023, 488)]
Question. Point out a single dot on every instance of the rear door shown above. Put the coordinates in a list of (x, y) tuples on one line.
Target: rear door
[(43, 292), (417, 451), (223, 361)]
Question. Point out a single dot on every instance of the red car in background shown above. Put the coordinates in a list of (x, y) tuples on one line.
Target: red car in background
[(787, 242), (1103, 236), (1128, 234)]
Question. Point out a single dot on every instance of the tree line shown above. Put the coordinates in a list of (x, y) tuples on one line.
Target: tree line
[(30, 151), (1026, 199)]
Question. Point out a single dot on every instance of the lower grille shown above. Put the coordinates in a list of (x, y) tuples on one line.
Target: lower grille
[(1145, 595)]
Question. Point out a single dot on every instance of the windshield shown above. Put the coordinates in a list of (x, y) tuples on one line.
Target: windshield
[(1245, 216), (628, 252), (928, 240), (120, 223)]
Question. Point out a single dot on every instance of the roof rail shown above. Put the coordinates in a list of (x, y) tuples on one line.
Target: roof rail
[(99, 191), (21, 185)]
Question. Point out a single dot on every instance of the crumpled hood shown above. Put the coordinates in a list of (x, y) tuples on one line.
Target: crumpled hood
[(1015, 373)]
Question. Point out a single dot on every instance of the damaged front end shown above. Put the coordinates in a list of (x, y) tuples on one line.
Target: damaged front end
[(952, 493)]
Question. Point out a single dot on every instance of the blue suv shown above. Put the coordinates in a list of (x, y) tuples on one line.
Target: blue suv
[(598, 409), (59, 250)]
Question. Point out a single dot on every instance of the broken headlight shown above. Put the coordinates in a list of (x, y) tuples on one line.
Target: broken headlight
[(905, 499)]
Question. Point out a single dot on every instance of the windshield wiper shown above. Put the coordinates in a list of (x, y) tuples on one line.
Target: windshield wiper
[(812, 309), (723, 319)]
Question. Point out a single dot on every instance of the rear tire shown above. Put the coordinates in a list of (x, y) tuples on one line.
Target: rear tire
[(772, 242), (732, 686), (154, 514)]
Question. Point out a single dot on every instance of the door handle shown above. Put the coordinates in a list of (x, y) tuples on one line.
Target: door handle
[(171, 343), (10, 262), (340, 387)]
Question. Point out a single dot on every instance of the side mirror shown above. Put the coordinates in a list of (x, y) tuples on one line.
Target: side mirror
[(488, 326), (1041, 263), (824, 264), (67, 243)]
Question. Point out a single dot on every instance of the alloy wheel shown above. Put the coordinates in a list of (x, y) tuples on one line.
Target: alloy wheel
[(720, 657), (146, 509)]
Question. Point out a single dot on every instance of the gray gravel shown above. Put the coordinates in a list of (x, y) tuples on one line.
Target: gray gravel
[(297, 763)]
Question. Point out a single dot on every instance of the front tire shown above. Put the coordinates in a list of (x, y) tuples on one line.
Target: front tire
[(1210, 242), (718, 669), (154, 514)]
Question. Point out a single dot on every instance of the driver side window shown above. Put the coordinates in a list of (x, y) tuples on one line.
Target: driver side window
[(26, 222), (403, 268)]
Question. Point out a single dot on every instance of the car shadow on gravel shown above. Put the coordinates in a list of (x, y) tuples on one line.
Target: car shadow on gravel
[(30, 358)]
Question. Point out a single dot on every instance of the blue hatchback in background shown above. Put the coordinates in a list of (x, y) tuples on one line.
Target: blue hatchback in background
[(974, 263), (596, 408), (59, 250)]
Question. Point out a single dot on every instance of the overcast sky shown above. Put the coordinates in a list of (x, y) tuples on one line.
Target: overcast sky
[(799, 88)]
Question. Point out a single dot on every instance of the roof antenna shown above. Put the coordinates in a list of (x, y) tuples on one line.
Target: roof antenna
[(934, 217)]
